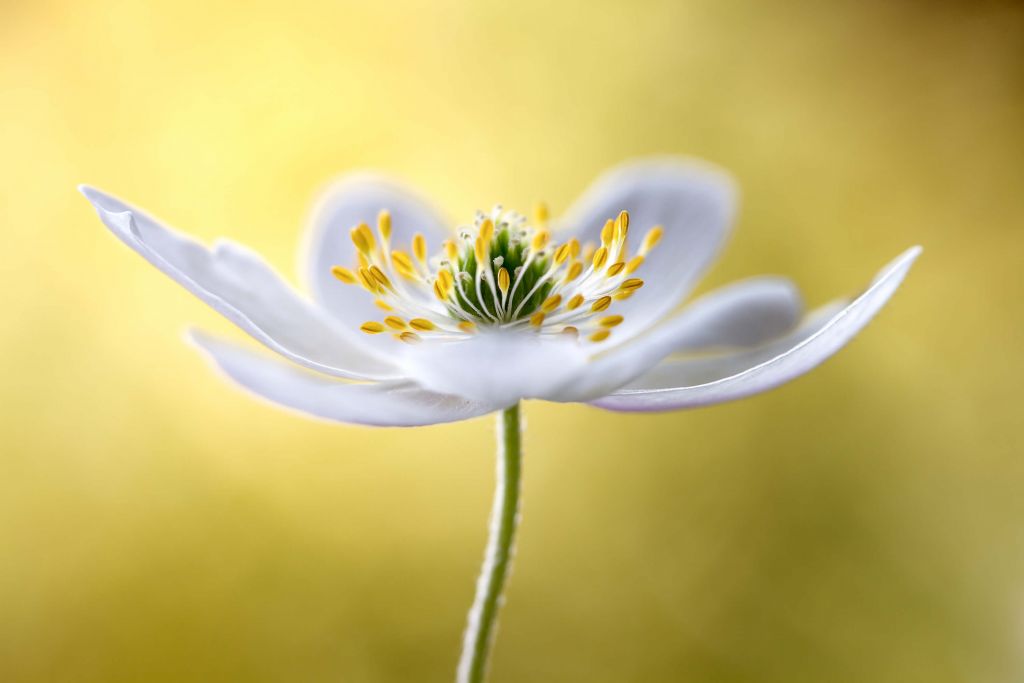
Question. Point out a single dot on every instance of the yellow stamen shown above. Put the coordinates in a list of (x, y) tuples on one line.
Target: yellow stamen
[(622, 225), (380, 277), (344, 274), (616, 268), (383, 305), (451, 251), (487, 230), (601, 304), (600, 335), (372, 327), (419, 247), (537, 319), (588, 251), (551, 303), (402, 263), (467, 326), (410, 338), (600, 256), (503, 280), (394, 322), (368, 281), (363, 238), (575, 302), (570, 330), (482, 248), (445, 277), (540, 212), (422, 324), (610, 321), (562, 253), (540, 240), (384, 225), (634, 263), (607, 232), (574, 247), (631, 285), (651, 239), (574, 271)]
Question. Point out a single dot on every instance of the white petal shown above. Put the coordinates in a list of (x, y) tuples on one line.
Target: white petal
[(354, 199), (692, 200), (743, 314), (497, 368), (826, 331), (240, 286), (385, 404)]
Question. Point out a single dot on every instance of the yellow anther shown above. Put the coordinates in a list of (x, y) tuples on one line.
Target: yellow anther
[(622, 296), (571, 331), (394, 322), (575, 302), (540, 240), (608, 232), (601, 304), (622, 225), (574, 247), (384, 224), (631, 285), (574, 271), (372, 327), (481, 248), (403, 264), (344, 274), (634, 263), (562, 253), (380, 277), (503, 280), (440, 291), (651, 239), (422, 324), (551, 303), (467, 327), (410, 338), (446, 278), (487, 230), (610, 321), (600, 256), (363, 238), (540, 212), (419, 247), (616, 268), (367, 280), (363, 261), (537, 319), (383, 305), (451, 251), (588, 251), (600, 335)]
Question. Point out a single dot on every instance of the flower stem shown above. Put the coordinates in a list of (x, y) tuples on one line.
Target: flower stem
[(483, 617)]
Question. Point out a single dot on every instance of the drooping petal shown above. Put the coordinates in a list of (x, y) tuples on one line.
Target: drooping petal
[(383, 404), (243, 288), (497, 368), (349, 201), (751, 372), (694, 203)]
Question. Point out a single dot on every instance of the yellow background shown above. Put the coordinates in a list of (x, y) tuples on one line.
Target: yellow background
[(861, 524)]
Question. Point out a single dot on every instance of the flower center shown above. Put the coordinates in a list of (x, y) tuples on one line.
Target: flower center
[(502, 273)]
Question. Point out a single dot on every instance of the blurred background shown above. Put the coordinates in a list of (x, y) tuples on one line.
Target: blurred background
[(861, 524)]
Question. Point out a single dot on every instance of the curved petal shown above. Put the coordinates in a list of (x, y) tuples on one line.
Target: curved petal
[(826, 331), (693, 201), (498, 368), (354, 199), (383, 404), (245, 290)]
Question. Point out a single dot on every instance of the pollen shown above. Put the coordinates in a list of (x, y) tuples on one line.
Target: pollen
[(497, 273)]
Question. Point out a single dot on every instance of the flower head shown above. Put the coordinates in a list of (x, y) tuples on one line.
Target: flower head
[(414, 323)]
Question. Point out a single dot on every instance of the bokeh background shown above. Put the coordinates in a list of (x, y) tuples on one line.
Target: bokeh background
[(861, 524)]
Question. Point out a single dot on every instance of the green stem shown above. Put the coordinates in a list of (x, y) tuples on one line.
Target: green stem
[(483, 617)]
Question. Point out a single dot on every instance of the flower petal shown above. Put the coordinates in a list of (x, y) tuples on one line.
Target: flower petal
[(826, 331), (693, 201), (243, 288), (354, 199), (497, 368), (384, 404)]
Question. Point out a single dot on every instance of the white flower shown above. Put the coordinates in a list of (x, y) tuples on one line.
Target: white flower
[(412, 324)]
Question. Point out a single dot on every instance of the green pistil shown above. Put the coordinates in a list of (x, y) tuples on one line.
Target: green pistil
[(514, 254)]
